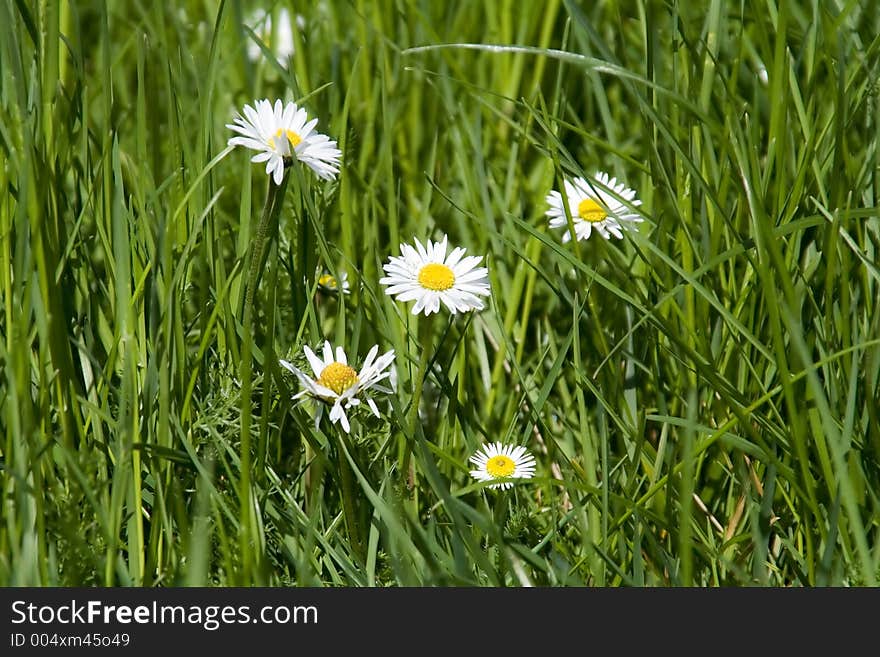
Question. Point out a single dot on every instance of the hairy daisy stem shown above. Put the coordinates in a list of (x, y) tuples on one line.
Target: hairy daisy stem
[(424, 344), (499, 515), (591, 304), (305, 251), (265, 232), (501, 508), (424, 356), (350, 509)]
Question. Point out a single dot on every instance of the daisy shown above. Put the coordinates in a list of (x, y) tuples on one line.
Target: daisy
[(597, 203), (339, 385), (280, 43), (328, 283), (281, 134), (428, 276), (499, 461)]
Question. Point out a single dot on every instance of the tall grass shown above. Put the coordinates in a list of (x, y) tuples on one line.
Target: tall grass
[(701, 396)]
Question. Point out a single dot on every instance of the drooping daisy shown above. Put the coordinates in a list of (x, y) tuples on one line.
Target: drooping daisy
[(428, 276), (499, 461), (281, 134), (280, 42), (329, 283), (594, 204), (339, 385)]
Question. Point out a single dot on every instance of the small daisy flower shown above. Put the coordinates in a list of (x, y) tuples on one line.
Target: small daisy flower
[(593, 204), (428, 276), (337, 384), (281, 134), (328, 283), (762, 74), (280, 43), (499, 461)]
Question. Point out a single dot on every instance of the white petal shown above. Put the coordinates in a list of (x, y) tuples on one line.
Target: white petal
[(440, 250), (404, 288), (415, 293), (466, 265), (419, 305), (287, 115), (422, 251), (343, 418), (454, 257), (261, 157), (314, 361), (371, 354)]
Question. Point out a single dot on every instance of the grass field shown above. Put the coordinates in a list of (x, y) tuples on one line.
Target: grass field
[(700, 397)]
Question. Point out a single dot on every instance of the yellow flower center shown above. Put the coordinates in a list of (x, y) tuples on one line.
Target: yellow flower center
[(589, 210), (327, 281), (500, 466), (338, 377), (292, 138), (437, 277)]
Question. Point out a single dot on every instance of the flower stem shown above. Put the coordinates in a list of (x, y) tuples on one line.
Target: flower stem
[(350, 510), (305, 248), (424, 344), (500, 512), (419, 382), (501, 508), (266, 231)]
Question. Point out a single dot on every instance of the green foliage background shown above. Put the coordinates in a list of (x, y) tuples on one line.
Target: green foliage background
[(701, 396)]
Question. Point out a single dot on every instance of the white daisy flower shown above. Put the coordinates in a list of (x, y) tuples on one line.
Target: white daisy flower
[(499, 461), (281, 134), (428, 276), (339, 385), (597, 203), (280, 43), (328, 282)]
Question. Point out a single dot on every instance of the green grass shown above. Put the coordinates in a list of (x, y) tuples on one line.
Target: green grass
[(701, 397)]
